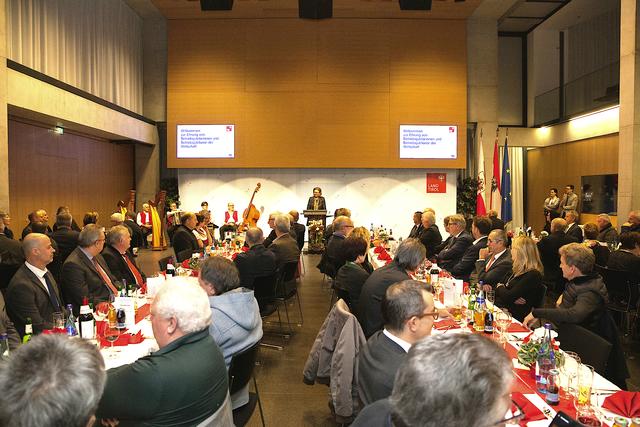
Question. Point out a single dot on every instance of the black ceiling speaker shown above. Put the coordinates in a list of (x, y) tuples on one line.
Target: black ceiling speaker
[(315, 9), (415, 4), (216, 4)]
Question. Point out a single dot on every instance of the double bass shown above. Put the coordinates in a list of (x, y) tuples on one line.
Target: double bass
[(251, 215)]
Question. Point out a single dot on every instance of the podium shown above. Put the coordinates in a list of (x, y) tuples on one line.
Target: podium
[(316, 224)]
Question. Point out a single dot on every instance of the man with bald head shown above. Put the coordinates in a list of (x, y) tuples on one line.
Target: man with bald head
[(33, 292), (633, 223)]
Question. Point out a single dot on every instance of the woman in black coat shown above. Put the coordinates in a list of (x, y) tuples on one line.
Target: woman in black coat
[(524, 289), (352, 275)]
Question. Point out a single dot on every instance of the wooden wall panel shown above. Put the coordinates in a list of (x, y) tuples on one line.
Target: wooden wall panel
[(47, 170), (559, 165), (326, 94)]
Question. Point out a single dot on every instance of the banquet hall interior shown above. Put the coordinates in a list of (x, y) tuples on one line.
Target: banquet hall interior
[(388, 107)]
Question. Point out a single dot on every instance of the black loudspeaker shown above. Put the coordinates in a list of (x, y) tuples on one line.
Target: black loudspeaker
[(315, 9), (415, 4), (216, 4)]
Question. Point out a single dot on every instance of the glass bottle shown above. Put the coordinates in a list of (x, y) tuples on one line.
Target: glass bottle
[(545, 360), (471, 305), (86, 321), (28, 331), (70, 326), (4, 346), (478, 313)]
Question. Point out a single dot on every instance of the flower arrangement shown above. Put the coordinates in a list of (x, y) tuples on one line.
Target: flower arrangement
[(528, 351)]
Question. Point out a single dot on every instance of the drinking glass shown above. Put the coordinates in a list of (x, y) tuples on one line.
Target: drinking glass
[(58, 321), (585, 381), (490, 297), (111, 334), (569, 370), (503, 320), (457, 309)]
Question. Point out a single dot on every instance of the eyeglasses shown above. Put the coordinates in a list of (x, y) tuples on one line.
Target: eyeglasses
[(434, 314), (515, 417)]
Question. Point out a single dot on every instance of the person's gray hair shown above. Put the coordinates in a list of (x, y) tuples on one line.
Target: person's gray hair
[(605, 217), (429, 216), (451, 380), (410, 254), (401, 302), (220, 273), (184, 299), (32, 241), (558, 224), (282, 223), (341, 222), (89, 235), (572, 212), (117, 233), (52, 381), (578, 256), (116, 217), (63, 219), (498, 235), (253, 236)]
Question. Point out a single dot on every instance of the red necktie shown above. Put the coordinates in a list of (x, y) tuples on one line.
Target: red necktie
[(105, 277), (134, 270)]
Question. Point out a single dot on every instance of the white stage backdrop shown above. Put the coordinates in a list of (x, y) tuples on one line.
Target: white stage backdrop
[(383, 197)]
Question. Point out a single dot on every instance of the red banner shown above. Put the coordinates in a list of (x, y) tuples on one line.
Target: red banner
[(436, 183)]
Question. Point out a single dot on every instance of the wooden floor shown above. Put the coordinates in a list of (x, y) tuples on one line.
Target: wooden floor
[(286, 400)]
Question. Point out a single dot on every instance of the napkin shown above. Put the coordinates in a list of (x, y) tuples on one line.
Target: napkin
[(384, 256), (517, 327), (625, 403), (531, 411), (123, 340), (378, 249), (445, 324)]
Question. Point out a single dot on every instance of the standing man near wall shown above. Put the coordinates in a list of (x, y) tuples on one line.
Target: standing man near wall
[(569, 201)]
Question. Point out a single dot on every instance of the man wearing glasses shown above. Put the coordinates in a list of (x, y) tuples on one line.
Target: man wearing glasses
[(448, 380), (85, 273), (408, 312)]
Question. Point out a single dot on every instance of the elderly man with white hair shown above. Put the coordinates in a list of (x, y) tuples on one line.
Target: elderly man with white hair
[(607, 233), (633, 223), (183, 383), (119, 259), (284, 246)]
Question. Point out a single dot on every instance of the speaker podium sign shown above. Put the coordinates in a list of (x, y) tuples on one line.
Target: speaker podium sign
[(436, 183)]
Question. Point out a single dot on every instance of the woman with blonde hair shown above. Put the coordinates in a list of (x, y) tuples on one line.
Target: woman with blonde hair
[(524, 288), (363, 233)]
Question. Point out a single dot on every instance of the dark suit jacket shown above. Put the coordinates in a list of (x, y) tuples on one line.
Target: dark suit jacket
[(624, 261), (373, 290), (181, 384), (256, 262), (118, 265), (11, 257), (431, 238), (574, 232), (299, 230), (74, 226), (81, 279), (348, 284), (67, 240), (8, 232), (498, 272), (333, 256), (7, 327), (27, 297), (269, 239), (548, 247), (27, 230), (322, 204), (416, 230), (378, 363), (442, 245), (184, 243), (285, 249), (528, 286), (450, 256), (136, 233), (466, 265)]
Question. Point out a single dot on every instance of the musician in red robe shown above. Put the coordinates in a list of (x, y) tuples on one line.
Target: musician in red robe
[(144, 221)]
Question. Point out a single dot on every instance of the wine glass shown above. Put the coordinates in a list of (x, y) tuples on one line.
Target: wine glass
[(111, 334), (503, 320), (568, 366)]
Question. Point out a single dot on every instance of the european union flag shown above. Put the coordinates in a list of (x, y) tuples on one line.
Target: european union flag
[(506, 212)]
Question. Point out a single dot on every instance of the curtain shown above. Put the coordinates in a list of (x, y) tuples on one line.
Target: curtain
[(94, 45)]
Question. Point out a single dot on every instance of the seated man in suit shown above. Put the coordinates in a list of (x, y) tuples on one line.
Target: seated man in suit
[(408, 311), (257, 261), (607, 233), (184, 242), (409, 255), (417, 225), (272, 234), (298, 228), (494, 264), (31, 396), (573, 230), (33, 291), (460, 241), (37, 216), (67, 241), (333, 257), (85, 273), (119, 260), (185, 381), (480, 228), (429, 234), (137, 235), (284, 246), (548, 247), (11, 257), (632, 224), (627, 257)]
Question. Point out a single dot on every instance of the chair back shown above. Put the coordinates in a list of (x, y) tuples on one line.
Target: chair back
[(162, 262), (286, 276), (264, 287), (223, 417), (592, 349), (622, 286), (241, 368)]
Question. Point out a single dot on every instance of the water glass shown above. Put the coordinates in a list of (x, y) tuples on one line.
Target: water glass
[(503, 320), (569, 374), (58, 320), (585, 381)]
